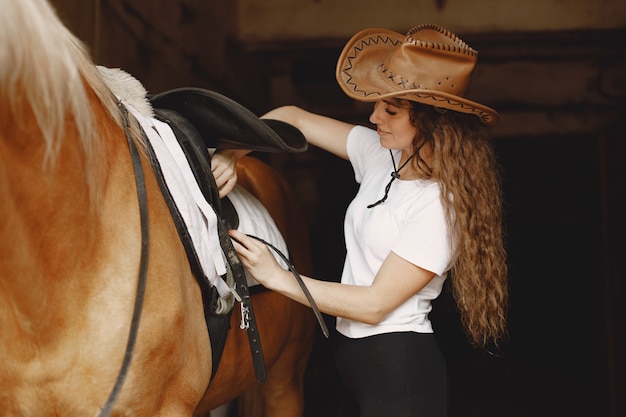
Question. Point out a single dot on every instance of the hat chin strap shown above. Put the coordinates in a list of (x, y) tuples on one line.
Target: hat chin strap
[(396, 172)]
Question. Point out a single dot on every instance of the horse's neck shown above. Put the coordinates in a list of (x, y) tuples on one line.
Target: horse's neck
[(50, 218)]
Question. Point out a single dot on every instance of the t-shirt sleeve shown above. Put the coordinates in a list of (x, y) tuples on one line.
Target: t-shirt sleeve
[(363, 147), (424, 239)]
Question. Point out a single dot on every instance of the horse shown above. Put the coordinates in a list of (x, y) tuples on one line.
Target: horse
[(101, 312)]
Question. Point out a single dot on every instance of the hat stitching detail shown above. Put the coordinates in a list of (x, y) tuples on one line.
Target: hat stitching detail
[(359, 48), (482, 114), (403, 82), (460, 46)]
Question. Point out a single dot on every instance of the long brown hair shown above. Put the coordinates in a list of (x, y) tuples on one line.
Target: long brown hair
[(459, 155)]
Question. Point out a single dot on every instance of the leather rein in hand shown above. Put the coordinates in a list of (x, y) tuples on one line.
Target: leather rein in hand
[(298, 278)]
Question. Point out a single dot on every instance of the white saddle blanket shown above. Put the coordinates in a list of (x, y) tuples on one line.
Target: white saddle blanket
[(197, 213)]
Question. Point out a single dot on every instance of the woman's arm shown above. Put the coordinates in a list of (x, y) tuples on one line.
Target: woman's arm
[(395, 282), (321, 131)]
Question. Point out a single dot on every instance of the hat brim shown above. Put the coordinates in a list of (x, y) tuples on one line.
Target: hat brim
[(225, 124), (359, 76)]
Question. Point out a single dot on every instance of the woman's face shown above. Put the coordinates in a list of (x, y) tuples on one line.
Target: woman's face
[(393, 124)]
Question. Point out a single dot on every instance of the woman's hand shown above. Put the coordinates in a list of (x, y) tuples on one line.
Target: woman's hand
[(224, 168), (257, 259)]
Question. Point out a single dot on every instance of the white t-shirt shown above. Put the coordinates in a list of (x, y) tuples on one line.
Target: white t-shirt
[(411, 223)]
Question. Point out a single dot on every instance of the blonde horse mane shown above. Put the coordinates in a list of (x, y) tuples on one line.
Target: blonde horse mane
[(43, 63)]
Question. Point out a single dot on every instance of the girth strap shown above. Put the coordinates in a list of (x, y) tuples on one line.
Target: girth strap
[(248, 319)]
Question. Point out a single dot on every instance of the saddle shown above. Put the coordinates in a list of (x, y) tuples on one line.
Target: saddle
[(203, 119)]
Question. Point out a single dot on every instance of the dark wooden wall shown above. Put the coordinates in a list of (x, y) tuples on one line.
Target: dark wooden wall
[(561, 142)]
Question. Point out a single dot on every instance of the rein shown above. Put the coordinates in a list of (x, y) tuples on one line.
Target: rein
[(303, 287), (143, 267)]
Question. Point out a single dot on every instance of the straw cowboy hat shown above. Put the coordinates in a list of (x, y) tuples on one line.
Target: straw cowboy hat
[(429, 65)]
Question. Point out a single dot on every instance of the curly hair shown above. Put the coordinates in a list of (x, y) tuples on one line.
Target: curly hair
[(460, 156)]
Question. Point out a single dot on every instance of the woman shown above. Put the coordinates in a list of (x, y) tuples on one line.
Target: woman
[(439, 214)]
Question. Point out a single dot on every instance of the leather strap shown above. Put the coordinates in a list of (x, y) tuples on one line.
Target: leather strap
[(248, 319), (143, 268), (303, 287)]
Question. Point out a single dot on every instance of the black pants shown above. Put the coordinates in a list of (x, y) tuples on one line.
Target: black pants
[(394, 374)]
